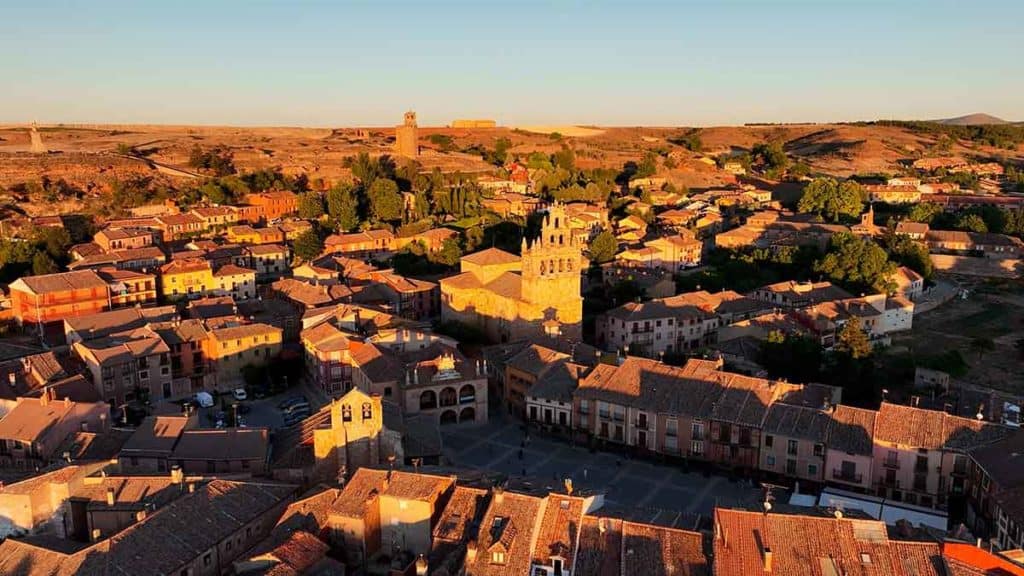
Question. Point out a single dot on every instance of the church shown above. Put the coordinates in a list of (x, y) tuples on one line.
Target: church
[(534, 296)]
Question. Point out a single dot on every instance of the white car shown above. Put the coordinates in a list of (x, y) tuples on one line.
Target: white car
[(239, 394)]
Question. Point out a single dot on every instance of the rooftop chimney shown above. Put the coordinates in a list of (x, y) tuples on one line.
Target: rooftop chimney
[(140, 515), (471, 551), (191, 487), (110, 496), (499, 495), (96, 534), (767, 559), (177, 476), (421, 566)]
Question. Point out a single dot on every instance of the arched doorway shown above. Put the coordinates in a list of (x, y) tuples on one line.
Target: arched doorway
[(448, 397), (467, 394), (468, 414), (448, 417), (428, 400)]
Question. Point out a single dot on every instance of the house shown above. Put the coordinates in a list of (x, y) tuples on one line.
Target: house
[(249, 235), (512, 204), (216, 216), (408, 297), (989, 245), (230, 349), (328, 358), (850, 448), (916, 452), (368, 244), (130, 366), (892, 194), (104, 324), (792, 294), (996, 491), (175, 226), (503, 543), (549, 399), (234, 281), (272, 205), (669, 253), (231, 451), (189, 278), (270, 261), (793, 443), (43, 302), (138, 259), (236, 516), (909, 283), (110, 239), (129, 288), (149, 448), (33, 429), (914, 230), (631, 229)]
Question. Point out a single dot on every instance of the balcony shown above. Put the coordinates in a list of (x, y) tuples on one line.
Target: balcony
[(853, 477), (921, 467), (891, 464), (640, 424)]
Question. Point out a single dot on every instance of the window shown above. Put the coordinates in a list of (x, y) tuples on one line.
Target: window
[(769, 441), (812, 469), (498, 557), (791, 447), (346, 413), (367, 411), (819, 449), (387, 391), (770, 461), (206, 559)]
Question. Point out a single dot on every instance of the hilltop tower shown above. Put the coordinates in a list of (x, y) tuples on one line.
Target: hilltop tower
[(406, 137), (37, 146), (551, 272)]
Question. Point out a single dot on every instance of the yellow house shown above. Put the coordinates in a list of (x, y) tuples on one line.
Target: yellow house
[(250, 235), (232, 348), (190, 278)]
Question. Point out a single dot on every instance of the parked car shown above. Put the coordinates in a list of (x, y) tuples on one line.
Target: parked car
[(294, 418), (284, 404), (297, 407), (239, 394)]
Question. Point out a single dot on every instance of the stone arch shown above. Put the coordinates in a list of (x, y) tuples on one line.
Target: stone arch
[(428, 400), (468, 414), (449, 417), (448, 397), (467, 394)]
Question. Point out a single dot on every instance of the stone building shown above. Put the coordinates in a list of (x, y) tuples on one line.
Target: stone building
[(406, 137), (509, 297)]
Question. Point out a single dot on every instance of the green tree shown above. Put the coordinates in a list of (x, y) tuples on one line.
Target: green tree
[(971, 223), (905, 252), (979, 345), (385, 200), (853, 340), (796, 358), (311, 205), (449, 254), (501, 147), (565, 158), (42, 263), (603, 247), (648, 165), (444, 142), (343, 207), (860, 265), (771, 156), (826, 196), (924, 212), (308, 245)]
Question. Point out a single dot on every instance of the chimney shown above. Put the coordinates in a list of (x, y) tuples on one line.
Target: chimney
[(499, 495), (421, 566), (12, 379), (471, 551), (44, 400), (767, 559), (110, 496), (96, 534), (140, 515), (601, 526), (191, 487), (177, 476)]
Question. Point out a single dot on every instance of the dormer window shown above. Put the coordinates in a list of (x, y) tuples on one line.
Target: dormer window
[(498, 557)]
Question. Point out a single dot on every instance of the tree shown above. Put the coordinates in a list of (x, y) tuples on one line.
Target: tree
[(905, 252), (311, 205), (449, 254), (853, 340), (385, 201), (978, 345), (924, 212), (648, 165), (343, 207), (771, 156), (860, 265), (603, 247), (971, 223), (218, 160), (796, 358), (43, 264), (565, 158), (308, 245), (501, 147), (825, 196)]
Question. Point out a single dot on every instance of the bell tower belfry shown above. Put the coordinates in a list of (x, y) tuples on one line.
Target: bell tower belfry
[(551, 269)]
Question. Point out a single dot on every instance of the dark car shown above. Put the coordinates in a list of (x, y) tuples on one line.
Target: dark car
[(291, 401)]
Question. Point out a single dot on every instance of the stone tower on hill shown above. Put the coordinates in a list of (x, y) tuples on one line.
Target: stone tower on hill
[(406, 137), (37, 146)]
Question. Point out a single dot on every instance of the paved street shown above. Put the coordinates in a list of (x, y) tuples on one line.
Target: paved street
[(627, 482)]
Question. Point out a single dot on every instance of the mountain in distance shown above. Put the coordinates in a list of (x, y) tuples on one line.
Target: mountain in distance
[(976, 119)]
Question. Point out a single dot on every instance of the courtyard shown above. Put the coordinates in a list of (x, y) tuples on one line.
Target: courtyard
[(626, 482)]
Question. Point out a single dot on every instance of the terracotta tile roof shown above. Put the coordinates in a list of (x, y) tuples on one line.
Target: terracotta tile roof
[(508, 285), (222, 444), (535, 359), (852, 430), (362, 489), (302, 292), (325, 337), (1003, 461), (244, 331), (156, 435), (266, 249), (507, 529), (464, 281), (130, 492), (916, 427), (968, 560), (232, 270), (31, 420), (491, 257), (185, 266), (309, 513), (377, 364), (558, 530), (460, 516), (907, 227), (600, 549), (416, 486), (797, 422), (60, 282), (662, 551), (813, 546), (558, 383)]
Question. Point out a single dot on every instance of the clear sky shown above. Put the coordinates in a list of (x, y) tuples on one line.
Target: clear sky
[(333, 63)]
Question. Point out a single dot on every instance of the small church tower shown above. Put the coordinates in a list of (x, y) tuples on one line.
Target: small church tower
[(407, 136)]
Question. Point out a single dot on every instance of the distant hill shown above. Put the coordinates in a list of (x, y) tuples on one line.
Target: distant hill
[(977, 119)]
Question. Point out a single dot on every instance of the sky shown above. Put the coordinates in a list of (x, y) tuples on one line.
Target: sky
[(334, 63)]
